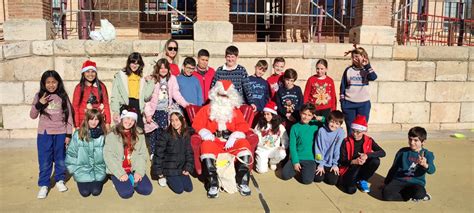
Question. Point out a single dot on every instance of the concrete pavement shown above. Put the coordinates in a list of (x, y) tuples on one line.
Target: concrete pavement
[(451, 187)]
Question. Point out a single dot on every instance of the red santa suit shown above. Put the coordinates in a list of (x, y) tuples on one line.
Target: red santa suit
[(210, 129)]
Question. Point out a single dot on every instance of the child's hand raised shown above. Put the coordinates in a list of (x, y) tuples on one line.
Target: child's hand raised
[(422, 160), (45, 99), (364, 61)]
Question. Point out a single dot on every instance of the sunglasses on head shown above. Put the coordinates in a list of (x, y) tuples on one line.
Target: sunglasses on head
[(173, 48)]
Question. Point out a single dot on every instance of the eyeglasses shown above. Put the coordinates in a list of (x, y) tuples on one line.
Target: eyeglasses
[(189, 68), (173, 49), (134, 62)]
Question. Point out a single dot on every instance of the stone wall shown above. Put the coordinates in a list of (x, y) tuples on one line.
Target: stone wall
[(428, 86)]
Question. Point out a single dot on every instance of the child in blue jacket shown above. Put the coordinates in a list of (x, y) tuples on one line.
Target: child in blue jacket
[(84, 155)]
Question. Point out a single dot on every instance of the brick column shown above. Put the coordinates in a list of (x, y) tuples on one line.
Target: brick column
[(213, 21), (373, 23), (28, 20)]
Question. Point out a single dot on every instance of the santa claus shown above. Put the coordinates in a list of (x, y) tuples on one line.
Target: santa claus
[(222, 128)]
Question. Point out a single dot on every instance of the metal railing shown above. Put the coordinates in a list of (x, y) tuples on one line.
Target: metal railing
[(150, 18), (292, 20), (423, 22)]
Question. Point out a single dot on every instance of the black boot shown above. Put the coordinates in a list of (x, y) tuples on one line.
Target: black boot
[(211, 172), (242, 175)]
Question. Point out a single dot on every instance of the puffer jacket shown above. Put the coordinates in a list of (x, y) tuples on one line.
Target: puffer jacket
[(172, 155), (84, 160)]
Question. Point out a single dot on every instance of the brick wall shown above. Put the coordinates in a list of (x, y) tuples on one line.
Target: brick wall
[(429, 86), (212, 10), (373, 12), (29, 9), (127, 20)]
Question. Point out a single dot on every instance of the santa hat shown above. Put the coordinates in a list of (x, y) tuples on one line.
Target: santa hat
[(225, 84), (88, 65), (360, 123), (131, 113), (271, 107)]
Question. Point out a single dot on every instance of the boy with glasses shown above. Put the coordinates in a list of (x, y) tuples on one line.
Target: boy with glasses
[(189, 85)]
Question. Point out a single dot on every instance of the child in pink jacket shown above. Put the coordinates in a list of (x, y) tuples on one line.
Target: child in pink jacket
[(158, 107)]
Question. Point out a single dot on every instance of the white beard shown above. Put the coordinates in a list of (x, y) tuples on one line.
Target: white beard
[(222, 112), (222, 108)]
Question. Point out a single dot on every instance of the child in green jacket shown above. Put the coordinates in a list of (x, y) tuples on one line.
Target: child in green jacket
[(126, 156), (84, 155)]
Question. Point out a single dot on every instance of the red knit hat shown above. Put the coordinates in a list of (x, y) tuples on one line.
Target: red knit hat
[(360, 123), (88, 65), (270, 107)]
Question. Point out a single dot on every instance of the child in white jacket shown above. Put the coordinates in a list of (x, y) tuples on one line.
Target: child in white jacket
[(272, 137)]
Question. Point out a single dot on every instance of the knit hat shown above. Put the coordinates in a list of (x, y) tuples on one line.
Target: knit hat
[(88, 65), (270, 107), (129, 114), (360, 123)]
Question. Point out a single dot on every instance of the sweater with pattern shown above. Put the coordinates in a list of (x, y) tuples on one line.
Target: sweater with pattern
[(355, 83), (259, 92), (321, 93), (237, 75)]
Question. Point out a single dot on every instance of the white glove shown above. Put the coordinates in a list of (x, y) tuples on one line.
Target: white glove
[(206, 135), (232, 138), (162, 182)]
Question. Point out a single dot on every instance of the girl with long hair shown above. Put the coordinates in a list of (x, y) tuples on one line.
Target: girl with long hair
[(51, 104)]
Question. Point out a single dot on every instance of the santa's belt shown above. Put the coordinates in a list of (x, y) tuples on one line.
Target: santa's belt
[(225, 134)]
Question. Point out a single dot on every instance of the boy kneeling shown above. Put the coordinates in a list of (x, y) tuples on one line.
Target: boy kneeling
[(406, 178), (360, 158)]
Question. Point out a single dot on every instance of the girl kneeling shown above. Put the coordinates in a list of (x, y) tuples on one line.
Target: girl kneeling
[(84, 155), (126, 155), (173, 155)]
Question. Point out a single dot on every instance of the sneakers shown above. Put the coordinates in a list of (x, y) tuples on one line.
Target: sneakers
[(426, 198), (162, 182), (213, 192), (43, 192), (364, 186), (273, 167), (61, 187), (244, 190)]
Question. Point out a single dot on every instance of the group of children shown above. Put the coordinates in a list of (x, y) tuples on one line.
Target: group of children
[(152, 106)]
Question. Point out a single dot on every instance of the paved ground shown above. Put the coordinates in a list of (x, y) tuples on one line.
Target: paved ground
[(451, 187)]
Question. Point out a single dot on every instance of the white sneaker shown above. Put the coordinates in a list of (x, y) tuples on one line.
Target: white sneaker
[(43, 192), (244, 190), (61, 187), (273, 167), (162, 182)]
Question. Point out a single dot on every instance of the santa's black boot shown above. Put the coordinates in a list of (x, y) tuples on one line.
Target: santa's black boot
[(242, 176), (211, 172)]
